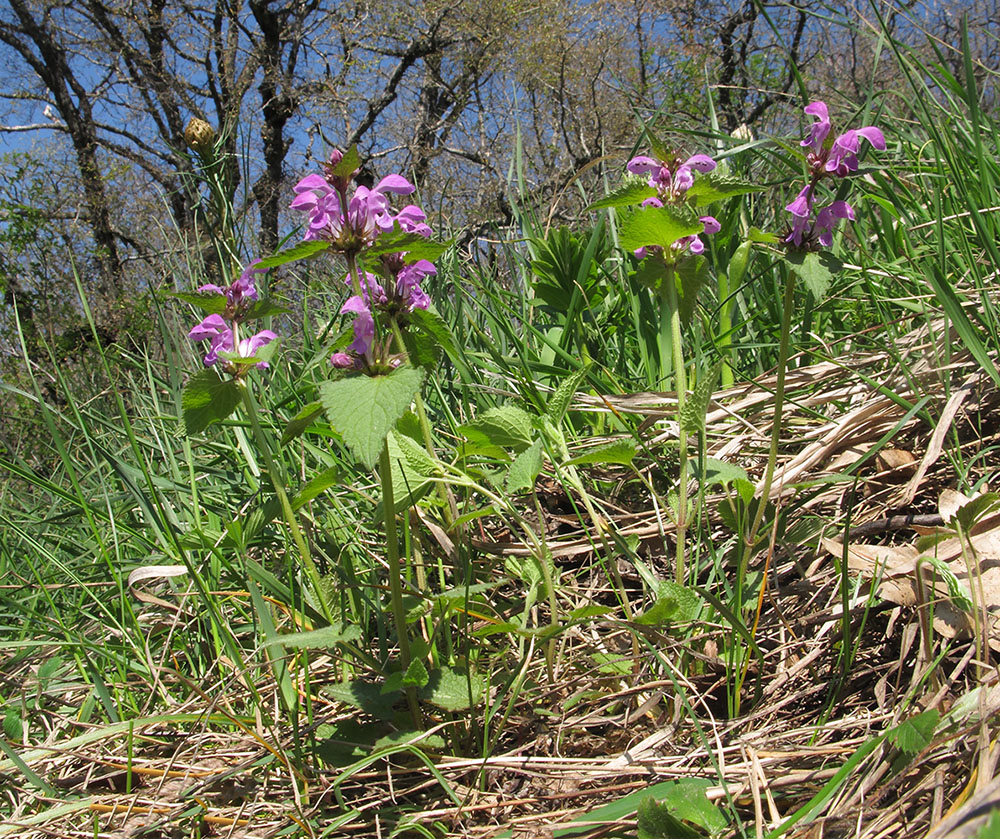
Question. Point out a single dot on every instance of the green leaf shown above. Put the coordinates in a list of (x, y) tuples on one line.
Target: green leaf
[(343, 742), (758, 236), (302, 250), (413, 470), (317, 485), (720, 472), (976, 509), (506, 426), (660, 150), (655, 821), (674, 604), (692, 272), (745, 489), (567, 271), (364, 408), (349, 164), (413, 244), (206, 399), (560, 400), (715, 186), (525, 468), (263, 308), (210, 302), (657, 226), (453, 689), (991, 828), (432, 324), (422, 349), (619, 452), (815, 269), (915, 734), (301, 421), (325, 638), (625, 196), (692, 416), (613, 664), (364, 696), (13, 726), (48, 669), (406, 736), (652, 273), (737, 268), (416, 674), (618, 811), (684, 800)]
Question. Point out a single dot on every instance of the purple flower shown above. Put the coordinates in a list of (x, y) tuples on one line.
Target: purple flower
[(839, 158), (248, 346), (215, 329), (371, 289), (684, 176), (835, 159), (827, 218), (672, 180), (820, 128), (670, 185), (342, 361), (241, 292), (803, 204), (411, 296), (368, 210), (844, 154), (413, 220), (693, 243), (364, 326)]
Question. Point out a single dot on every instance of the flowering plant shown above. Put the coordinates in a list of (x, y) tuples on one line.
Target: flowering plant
[(812, 228), (221, 329), (386, 254)]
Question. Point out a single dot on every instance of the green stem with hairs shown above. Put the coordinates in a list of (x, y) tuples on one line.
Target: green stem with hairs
[(396, 577), (680, 385), (725, 330), (276, 473)]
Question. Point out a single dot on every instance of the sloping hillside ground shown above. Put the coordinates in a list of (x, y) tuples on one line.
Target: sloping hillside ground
[(877, 724)]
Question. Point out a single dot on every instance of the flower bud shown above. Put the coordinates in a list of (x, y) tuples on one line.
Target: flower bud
[(200, 136)]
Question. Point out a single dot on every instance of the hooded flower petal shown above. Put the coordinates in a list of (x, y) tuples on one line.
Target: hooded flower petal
[(643, 165), (843, 154), (341, 360), (211, 287), (249, 346), (413, 220), (700, 162), (819, 129), (364, 325), (827, 218), (396, 184), (215, 329), (801, 207), (711, 224)]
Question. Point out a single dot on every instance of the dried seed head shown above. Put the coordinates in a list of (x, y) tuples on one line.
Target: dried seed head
[(200, 136)]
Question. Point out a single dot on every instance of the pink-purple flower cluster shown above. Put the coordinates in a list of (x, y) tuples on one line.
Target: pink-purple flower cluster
[(671, 182), (826, 159), (351, 224), (220, 330)]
